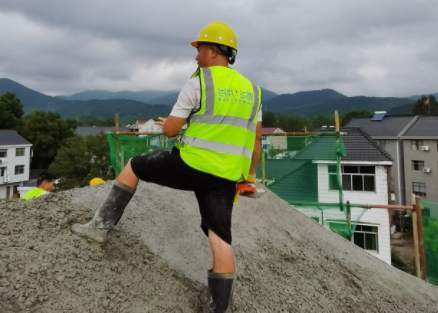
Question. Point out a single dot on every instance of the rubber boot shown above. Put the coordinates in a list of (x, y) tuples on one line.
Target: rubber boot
[(221, 289), (107, 216)]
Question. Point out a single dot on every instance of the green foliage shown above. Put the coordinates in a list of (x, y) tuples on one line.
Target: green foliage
[(11, 111), (46, 131), (290, 122), (81, 158), (426, 106)]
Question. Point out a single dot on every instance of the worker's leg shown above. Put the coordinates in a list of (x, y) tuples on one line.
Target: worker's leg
[(222, 254), (216, 210), (127, 177), (221, 276), (109, 214), (160, 167)]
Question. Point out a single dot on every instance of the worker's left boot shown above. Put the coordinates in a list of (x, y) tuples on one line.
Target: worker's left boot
[(221, 289), (107, 216)]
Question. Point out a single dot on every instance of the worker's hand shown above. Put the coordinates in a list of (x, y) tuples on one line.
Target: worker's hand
[(161, 121), (248, 186)]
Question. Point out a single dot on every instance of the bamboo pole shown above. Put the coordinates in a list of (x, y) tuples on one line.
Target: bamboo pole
[(117, 122), (416, 241), (422, 257)]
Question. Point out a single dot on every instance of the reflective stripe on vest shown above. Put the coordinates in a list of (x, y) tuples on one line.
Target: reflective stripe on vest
[(217, 146), (220, 140)]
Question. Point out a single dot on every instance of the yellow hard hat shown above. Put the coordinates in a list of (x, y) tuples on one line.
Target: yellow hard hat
[(96, 181), (217, 32)]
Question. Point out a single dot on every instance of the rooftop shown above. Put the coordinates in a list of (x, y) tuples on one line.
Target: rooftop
[(390, 126), (11, 138)]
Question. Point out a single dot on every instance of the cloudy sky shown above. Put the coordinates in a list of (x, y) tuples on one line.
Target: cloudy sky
[(372, 47)]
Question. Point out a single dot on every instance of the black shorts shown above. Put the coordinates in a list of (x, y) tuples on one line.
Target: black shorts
[(215, 195)]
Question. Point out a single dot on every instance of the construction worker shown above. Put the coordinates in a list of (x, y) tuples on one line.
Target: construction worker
[(220, 147), (45, 184)]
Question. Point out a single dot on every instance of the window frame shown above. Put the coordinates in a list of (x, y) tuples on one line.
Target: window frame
[(20, 149), (365, 233), (417, 165), (421, 189), (17, 167), (355, 174)]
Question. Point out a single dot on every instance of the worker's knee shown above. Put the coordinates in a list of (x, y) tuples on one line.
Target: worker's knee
[(217, 243)]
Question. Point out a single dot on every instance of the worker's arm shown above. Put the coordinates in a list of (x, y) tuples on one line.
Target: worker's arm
[(172, 125), (257, 149)]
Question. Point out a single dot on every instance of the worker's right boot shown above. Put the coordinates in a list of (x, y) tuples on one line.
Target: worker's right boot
[(107, 216), (221, 289)]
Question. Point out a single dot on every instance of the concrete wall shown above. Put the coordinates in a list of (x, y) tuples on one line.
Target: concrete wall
[(430, 159), (395, 181)]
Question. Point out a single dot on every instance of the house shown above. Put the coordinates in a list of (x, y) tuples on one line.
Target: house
[(146, 125), (150, 126), (412, 142), (309, 182), (273, 139), (15, 155)]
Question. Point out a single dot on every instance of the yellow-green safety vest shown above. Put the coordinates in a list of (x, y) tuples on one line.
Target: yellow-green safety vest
[(220, 137), (34, 193)]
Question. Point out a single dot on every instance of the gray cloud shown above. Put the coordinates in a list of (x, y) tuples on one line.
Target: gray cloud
[(357, 47)]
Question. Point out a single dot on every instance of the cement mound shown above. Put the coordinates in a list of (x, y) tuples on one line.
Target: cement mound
[(157, 257)]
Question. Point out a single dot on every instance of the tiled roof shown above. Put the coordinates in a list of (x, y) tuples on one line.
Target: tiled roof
[(425, 126), (361, 147), (390, 126), (11, 137)]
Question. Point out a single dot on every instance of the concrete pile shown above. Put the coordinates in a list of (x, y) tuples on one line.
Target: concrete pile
[(157, 257)]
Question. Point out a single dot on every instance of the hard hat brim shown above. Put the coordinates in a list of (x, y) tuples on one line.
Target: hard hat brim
[(195, 43)]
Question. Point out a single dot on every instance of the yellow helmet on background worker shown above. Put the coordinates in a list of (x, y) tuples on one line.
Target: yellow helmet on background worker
[(219, 33), (96, 181)]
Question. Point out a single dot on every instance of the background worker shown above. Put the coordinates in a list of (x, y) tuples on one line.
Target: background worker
[(220, 147), (45, 184)]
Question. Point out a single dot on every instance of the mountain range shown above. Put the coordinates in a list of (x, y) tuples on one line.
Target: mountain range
[(151, 103)]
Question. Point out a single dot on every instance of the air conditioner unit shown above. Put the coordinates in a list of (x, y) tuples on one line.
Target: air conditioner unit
[(427, 170), (424, 148)]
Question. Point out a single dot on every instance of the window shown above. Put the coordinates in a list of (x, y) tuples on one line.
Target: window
[(419, 189), (2, 171), (19, 152), (416, 144), (3, 153), (366, 237), (354, 178), (19, 169), (417, 165)]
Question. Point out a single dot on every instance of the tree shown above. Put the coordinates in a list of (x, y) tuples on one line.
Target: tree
[(355, 114), (426, 106), (268, 119), (81, 158), (11, 111), (46, 131)]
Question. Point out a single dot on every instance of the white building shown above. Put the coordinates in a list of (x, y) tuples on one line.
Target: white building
[(15, 155), (364, 173)]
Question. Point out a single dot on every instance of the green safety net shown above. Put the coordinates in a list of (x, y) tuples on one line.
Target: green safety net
[(430, 237), (124, 147), (305, 171)]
